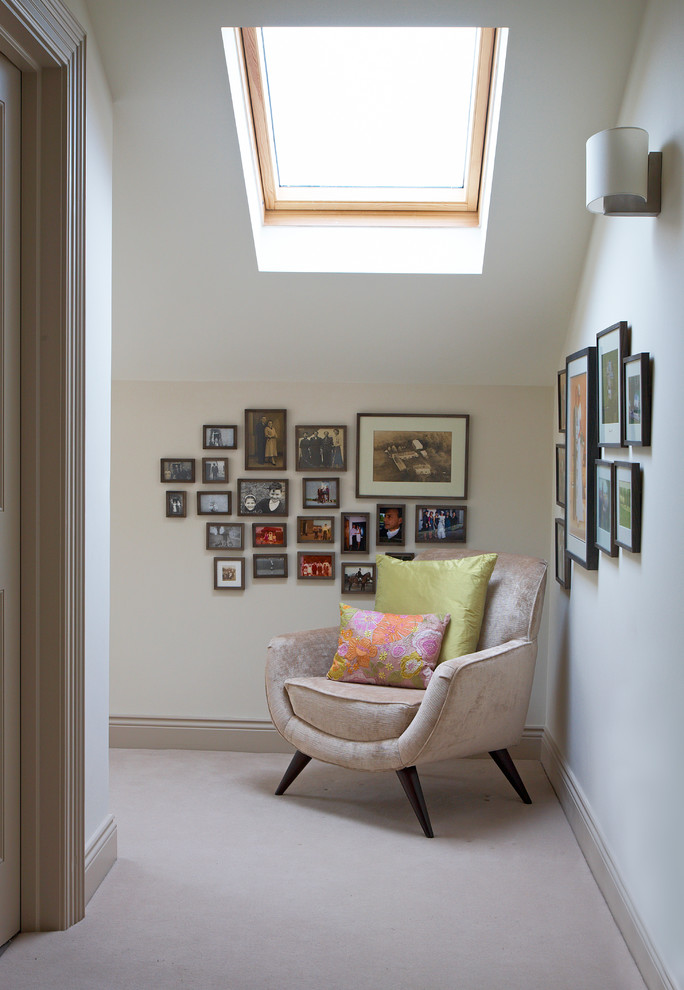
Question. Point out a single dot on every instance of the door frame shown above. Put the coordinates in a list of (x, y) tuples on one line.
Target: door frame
[(47, 44)]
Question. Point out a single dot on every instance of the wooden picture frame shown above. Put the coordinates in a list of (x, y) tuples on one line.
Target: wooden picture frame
[(321, 448), (315, 566), (440, 524), (358, 578), (561, 398), (611, 348), (317, 492), (391, 523), (219, 437), (229, 573), (269, 565), (636, 394), (269, 534), (406, 455), (628, 505), (224, 536), (177, 470), (604, 474), (315, 529), (563, 568), (214, 470), (176, 505), (581, 452), (214, 503), (560, 474), (355, 532), (265, 440), (269, 497), (399, 556)]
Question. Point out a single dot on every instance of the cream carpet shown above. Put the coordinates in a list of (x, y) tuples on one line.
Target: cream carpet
[(220, 884)]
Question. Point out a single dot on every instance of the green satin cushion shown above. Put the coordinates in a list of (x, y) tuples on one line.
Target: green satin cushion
[(454, 586)]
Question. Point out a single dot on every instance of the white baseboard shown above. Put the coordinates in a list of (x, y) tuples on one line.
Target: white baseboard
[(606, 873), (100, 856)]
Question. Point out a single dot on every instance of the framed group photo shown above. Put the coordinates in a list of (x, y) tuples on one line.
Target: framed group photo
[(440, 523), (262, 498), (358, 578), (611, 347), (315, 529), (265, 439), (178, 469), (321, 448), (269, 534), (581, 452), (225, 536), (315, 566)]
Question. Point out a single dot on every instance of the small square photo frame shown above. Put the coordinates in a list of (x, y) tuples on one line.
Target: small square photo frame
[(262, 498), (214, 470), (320, 491), (176, 505), (441, 524), (390, 524), (269, 534), (269, 565), (636, 395), (563, 566), (560, 474), (219, 437), (605, 507), (355, 532), (214, 503), (611, 348), (561, 398), (177, 469), (229, 573), (321, 448), (628, 505), (358, 578), (315, 566), (315, 529), (265, 440), (225, 536)]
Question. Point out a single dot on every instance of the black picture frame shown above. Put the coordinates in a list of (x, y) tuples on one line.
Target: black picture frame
[(604, 475), (561, 398), (581, 451), (563, 568), (612, 344), (636, 393), (628, 505), (560, 474)]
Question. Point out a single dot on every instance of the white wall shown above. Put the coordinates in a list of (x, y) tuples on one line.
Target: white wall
[(616, 678), (181, 649)]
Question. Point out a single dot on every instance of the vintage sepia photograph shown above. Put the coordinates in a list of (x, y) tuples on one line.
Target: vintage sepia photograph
[(440, 524), (229, 573), (213, 503), (315, 529), (315, 566), (219, 437), (320, 491), (262, 498), (269, 565), (358, 579), (176, 505), (355, 532), (321, 448), (214, 470), (178, 469), (225, 536), (265, 439)]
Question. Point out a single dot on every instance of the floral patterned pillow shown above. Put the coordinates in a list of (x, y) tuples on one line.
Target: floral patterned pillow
[(394, 650)]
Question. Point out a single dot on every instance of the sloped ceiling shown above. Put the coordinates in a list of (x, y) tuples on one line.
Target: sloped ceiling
[(189, 302)]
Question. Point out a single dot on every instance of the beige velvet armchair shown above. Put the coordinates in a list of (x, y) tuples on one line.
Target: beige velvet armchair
[(473, 704)]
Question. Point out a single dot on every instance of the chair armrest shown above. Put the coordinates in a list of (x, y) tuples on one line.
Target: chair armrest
[(308, 653)]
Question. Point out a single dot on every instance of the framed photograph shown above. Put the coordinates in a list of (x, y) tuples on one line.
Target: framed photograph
[(176, 469), (321, 448), (262, 498), (561, 399), (628, 505), (580, 454), (269, 565), (636, 393), (440, 523), (315, 529), (355, 532), (358, 579), (176, 505), (219, 437), (225, 536), (320, 491), (560, 474), (269, 534), (315, 566), (400, 556), (214, 470), (605, 508), (404, 455), (214, 503), (563, 569), (265, 440), (611, 348), (229, 573), (390, 525)]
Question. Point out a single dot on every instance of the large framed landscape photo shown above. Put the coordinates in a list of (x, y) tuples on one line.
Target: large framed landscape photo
[(581, 452), (403, 455)]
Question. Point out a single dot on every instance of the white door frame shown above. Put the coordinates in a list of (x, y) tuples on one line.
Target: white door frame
[(48, 46)]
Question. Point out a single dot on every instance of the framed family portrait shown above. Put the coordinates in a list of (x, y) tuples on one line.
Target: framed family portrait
[(560, 474), (214, 503), (637, 399), (355, 532), (265, 439), (358, 579), (315, 529), (561, 398), (214, 470), (269, 534), (320, 491), (225, 536), (563, 568), (177, 469), (229, 573), (315, 566), (581, 452), (611, 347), (628, 505), (321, 448), (262, 498), (219, 437), (269, 565), (404, 455), (605, 508), (441, 523), (390, 525), (176, 505)]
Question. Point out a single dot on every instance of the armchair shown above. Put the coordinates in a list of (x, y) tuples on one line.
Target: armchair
[(472, 704)]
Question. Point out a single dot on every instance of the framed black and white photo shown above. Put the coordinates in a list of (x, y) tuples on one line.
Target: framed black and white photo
[(358, 578), (214, 470), (269, 565), (611, 347), (355, 532), (560, 474), (321, 448), (637, 399), (225, 536), (581, 452), (605, 508), (229, 573), (176, 505), (175, 469), (563, 568), (214, 503), (265, 440), (440, 523), (219, 437), (317, 492), (628, 505), (315, 529), (262, 498)]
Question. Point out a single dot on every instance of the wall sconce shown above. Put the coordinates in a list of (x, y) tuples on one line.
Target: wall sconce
[(623, 177)]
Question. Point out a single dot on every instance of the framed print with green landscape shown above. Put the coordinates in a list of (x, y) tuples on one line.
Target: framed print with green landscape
[(605, 508), (611, 347), (628, 505), (581, 452)]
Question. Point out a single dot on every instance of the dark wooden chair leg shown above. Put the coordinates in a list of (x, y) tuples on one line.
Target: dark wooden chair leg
[(503, 760), (297, 764), (414, 792)]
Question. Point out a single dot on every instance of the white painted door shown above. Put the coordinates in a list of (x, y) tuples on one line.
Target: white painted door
[(10, 97)]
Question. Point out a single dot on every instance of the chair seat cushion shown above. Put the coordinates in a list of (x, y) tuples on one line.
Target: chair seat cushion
[(357, 712)]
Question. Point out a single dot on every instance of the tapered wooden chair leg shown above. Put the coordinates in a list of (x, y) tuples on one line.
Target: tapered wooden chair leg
[(414, 792), (503, 760), (297, 764)]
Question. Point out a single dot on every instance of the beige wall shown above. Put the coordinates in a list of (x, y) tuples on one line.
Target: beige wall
[(179, 648)]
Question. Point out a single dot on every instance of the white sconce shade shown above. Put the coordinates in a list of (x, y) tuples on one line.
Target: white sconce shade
[(621, 174)]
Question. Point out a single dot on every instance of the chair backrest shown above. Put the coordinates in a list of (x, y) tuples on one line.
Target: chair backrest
[(515, 595)]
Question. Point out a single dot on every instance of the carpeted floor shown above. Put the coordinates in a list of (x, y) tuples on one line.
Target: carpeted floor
[(220, 885)]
